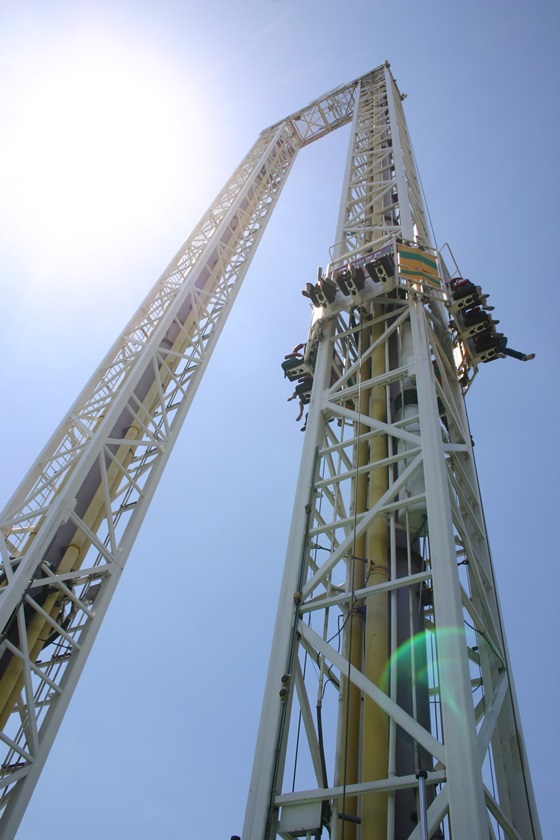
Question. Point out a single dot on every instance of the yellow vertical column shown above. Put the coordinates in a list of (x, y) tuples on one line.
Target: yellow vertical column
[(375, 734)]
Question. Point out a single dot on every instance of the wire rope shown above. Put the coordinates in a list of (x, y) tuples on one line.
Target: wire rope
[(516, 722)]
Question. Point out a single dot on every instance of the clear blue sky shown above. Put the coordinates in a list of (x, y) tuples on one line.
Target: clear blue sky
[(119, 122)]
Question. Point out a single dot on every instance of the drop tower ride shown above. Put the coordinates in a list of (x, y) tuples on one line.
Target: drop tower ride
[(389, 707)]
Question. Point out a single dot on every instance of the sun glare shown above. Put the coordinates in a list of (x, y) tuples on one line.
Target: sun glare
[(94, 140)]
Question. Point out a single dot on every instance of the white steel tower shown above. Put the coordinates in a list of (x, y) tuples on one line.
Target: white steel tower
[(389, 697), (389, 709)]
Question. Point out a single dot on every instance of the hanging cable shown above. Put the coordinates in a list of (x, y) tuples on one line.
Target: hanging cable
[(423, 194), (353, 599)]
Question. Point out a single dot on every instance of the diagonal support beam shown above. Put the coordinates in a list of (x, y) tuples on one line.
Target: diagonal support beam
[(405, 721)]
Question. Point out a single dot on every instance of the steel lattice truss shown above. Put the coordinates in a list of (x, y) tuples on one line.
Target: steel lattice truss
[(462, 650), (388, 638), (69, 528)]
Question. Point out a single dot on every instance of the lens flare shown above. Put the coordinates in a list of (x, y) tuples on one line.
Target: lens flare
[(415, 657)]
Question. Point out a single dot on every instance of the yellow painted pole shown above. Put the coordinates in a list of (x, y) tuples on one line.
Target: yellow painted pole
[(375, 735)]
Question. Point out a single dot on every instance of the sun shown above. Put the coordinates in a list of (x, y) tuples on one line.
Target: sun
[(96, 136)]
